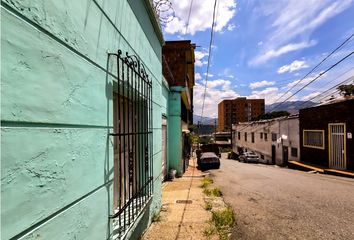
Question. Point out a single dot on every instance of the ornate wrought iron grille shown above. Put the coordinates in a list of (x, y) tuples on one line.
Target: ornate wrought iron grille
[(132, 125)]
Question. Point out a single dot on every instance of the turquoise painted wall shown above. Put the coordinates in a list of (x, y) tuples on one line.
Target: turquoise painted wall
[(56, 113), (165, 111), (175, 130)]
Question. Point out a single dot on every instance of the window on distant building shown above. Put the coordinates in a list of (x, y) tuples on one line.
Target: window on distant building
[(294, 152), (313, 138), (274, 137), (239, 135), (262, 156), (261, 135), (245, 136), (252, 137), (265, 137)]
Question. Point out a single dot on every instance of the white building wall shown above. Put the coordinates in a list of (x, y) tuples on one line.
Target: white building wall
[(287, 134)]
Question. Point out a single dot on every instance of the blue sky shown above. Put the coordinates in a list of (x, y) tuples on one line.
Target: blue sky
[(261, 49)]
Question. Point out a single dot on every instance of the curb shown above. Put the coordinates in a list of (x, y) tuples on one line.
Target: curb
[(305, 167), (338, 173)]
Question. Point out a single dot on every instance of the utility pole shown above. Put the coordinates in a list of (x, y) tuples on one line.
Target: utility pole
[(214, 126), (231, 127)]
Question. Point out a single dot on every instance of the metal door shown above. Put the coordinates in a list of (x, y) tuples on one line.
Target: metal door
[(337, 146), (164, 149), (285, 155), (273, 154)]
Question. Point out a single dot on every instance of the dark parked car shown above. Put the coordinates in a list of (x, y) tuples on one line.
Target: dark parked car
[(209, 160), (248, 157), (211, 148)]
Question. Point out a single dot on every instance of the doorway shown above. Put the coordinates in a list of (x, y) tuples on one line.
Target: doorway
[(164, 148), (337, 146), (285, 155), (273, 154)]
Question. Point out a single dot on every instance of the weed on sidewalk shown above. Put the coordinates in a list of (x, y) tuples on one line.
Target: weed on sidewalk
[(222, 219)]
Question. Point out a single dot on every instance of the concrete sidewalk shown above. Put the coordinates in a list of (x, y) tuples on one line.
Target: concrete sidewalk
[(183, 214)]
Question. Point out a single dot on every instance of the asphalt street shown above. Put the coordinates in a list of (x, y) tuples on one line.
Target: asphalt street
[(271, 202)]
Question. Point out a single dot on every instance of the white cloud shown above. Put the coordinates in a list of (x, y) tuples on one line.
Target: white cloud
[(303, 17), (302, 82), (260, 84), (293, 21), (260, 43), (226, 72), (231, 27), (209, 75), (197, 76), (199, 58), (311, 95), (270, 95), (295, 65), (217, 90), (201, 16), (225, 84), (262, 58), (299, 82)]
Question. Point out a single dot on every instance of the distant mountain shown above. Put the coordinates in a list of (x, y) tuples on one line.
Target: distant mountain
[(290, 106), (206, 120)]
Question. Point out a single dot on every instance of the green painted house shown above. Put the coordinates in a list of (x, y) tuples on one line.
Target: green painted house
[(178, 69), (88, 121)]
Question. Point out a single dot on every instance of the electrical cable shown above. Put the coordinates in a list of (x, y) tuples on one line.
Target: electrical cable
[(319, 75), (189, 15), (209, 57), (314, 68), (347, 80)]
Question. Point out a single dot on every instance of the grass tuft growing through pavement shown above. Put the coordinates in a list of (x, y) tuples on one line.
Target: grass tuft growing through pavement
[(206, 182), (212, 192), (223, 221), (156, 217), (208, 206), (210, 230)]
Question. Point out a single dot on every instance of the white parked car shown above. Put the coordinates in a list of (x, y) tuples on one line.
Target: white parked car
[(248, 157)]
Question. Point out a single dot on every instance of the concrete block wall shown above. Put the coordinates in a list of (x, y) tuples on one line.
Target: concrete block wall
[(56, 113)]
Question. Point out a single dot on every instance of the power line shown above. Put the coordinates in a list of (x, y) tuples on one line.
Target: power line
[(314, 68), (302, 104), (319, 75), (331, 88), (322, 73), (189, 15), (209, 57)]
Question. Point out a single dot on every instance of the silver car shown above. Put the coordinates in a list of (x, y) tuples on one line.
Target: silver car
[(249, 157)]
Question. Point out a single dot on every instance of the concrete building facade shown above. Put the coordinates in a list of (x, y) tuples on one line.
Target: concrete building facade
[(326, 134), (77, 83), (275, 141), (238, 110), (178, 69)]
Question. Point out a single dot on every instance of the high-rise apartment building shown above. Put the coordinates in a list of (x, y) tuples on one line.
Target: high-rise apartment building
[(238, 110)]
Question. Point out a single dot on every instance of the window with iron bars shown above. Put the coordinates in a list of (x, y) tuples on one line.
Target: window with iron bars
[(132, 133)]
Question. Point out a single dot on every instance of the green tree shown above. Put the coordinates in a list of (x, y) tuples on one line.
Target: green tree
[(346, 90)]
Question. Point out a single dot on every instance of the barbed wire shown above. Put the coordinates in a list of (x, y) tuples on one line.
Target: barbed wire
[(164, 11)]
